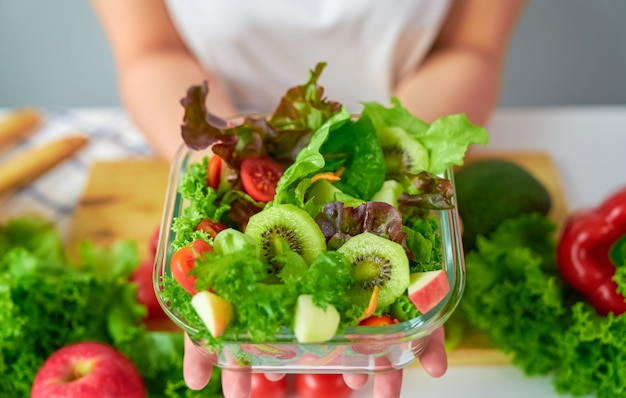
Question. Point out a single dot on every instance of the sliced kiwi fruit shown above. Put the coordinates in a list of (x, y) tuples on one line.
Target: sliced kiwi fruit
[(403, 153), (376, 261), (278, 227)]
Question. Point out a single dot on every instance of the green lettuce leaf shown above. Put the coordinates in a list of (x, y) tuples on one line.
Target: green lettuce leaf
[(309, 160), (355, 148), (446, 139)]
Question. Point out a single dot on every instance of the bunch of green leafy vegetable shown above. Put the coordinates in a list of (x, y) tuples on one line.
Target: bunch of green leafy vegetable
[(515, 294), (48, 301)]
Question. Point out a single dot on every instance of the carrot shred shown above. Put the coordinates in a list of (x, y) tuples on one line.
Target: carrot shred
[(371, 307), (330, 176)]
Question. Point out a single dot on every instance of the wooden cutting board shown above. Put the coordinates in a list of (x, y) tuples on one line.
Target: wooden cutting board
[(125, 199), (121, 200)]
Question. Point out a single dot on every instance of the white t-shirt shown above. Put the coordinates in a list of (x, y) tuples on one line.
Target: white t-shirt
[(259, 49)]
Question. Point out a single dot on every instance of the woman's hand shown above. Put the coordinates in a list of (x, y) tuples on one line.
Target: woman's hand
[(197, 370), (434, 360)]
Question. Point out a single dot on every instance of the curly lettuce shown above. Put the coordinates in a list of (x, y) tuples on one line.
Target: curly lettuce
[(48, 301), (515, 295)]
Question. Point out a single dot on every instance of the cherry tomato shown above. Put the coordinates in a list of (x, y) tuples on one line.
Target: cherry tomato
[(183, 260), (322, 385), (259, 176), (375, 320), (214, 171), (142, 277), (211, 227), (264, 388)]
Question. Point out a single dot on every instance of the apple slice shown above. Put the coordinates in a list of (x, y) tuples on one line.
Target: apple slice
[(313, 324), (213, 310), (427, 289)]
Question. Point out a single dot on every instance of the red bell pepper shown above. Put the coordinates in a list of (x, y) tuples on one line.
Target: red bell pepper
[(583, 253)]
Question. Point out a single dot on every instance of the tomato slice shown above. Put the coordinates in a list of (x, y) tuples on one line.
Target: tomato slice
[(184, 259), (375, 320), (214, 171), (264, 388), (322, 385), (211, 227), (259, 176)]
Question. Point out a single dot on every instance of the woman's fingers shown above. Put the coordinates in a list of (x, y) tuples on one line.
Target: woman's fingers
[(434, 359), (355, 380), (236, 384), (388, 385), (197, 369), (196, 366), (274, 376)]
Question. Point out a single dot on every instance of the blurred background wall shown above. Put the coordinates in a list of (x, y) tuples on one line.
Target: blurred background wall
[(564, 52)]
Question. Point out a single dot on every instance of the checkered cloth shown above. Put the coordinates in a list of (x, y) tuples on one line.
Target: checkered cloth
[(56, 193)]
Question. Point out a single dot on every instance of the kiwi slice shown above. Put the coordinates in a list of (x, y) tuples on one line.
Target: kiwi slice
[(274, 226), (376, 261), (403, 153)]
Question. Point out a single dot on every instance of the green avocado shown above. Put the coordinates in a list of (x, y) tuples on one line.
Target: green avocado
[(490, 191)]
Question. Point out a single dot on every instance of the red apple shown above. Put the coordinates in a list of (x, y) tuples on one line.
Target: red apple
[(88, 369), (427, 289)]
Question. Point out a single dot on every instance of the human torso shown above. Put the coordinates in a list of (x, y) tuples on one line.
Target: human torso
[(261, 48)]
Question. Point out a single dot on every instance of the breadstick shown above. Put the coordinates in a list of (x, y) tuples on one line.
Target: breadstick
[(24, 167), (18, 125)]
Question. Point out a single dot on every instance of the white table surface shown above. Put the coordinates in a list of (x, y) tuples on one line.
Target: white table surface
[(588, 145)]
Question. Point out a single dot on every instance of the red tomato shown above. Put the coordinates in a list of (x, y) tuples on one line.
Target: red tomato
[(322, 385), (184, 260), (375, 320), (259, 176), (214, 171), (211, 227), (142, 277), (264, 388)]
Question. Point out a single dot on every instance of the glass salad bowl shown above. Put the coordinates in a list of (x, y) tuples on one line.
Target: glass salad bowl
[(359, 349)]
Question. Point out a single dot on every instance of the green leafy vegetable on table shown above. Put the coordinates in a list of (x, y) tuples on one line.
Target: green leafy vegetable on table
[(516, 294), (48, 301)]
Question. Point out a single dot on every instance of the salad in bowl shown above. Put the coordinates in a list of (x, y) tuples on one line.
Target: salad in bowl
[(311, 239)]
